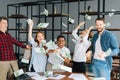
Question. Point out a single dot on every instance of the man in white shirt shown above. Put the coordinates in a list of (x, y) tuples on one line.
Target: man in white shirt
[(59, 55), (104, 46)]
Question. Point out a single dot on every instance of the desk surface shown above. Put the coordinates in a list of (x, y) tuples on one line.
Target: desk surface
[(66, 77), (63, 73)]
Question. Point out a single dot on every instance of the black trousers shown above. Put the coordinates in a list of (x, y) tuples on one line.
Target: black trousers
[(79, 67)]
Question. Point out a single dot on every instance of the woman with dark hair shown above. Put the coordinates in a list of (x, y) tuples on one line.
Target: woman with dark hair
[(39, 58)]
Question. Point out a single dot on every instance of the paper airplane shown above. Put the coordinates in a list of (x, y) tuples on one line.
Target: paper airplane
[(87, 17), (71, 20), (42, 25), (45, 12)]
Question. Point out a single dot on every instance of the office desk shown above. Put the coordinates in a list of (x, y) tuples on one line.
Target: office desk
[(67, 75), (63, 73)]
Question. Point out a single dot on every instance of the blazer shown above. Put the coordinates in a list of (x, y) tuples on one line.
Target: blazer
[(108, 40)]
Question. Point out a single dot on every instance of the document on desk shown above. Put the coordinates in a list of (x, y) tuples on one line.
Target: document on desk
[(35, 76), (56, 76), (76, 76)]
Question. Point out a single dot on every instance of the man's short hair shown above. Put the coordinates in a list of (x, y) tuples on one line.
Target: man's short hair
[(3, 18), (60, 36), (101, 19)]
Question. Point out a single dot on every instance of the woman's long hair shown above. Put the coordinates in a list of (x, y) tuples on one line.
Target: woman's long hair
[(36, 37)]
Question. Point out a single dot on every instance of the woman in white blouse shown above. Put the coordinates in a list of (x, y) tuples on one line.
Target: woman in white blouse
[(82, 44), (39, 58)]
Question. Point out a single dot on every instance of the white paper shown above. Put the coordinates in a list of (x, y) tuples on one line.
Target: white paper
[(58, 56), (56, 77), (51, 45), (107, 24), (87, 17), (28, 21), (42, 25), (18, 72), (75, 41), (40, 50), (76, 76), (55, 60), (108, 52), (25, 61), (112, 13), (64, 25), (66, 68), (35, 76), (71, 20), (43, 42), (45, 12)]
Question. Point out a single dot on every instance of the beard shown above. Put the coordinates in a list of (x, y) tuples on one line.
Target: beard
[(100, 30)]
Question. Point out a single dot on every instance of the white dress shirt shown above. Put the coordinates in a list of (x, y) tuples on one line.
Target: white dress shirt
[(39, 58), (98, 49), (80, 47)]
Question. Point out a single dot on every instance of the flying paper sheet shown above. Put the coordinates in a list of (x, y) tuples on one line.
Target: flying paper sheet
[(112, 12), (87, 17), (64, 25), (51, 45), (28, 21), (71, 20), (18, 72), (45, 12), (42, 25), (107, 24), (74, 41)]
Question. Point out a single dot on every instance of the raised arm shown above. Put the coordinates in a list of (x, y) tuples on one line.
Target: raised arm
[(30, 30), (80, 24), (74, 32), (90, 28)]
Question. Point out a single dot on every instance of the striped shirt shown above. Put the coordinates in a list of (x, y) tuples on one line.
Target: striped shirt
[(6, 47), (81, 47)]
